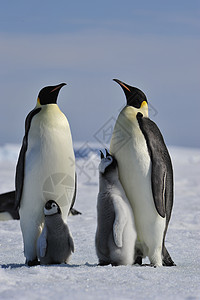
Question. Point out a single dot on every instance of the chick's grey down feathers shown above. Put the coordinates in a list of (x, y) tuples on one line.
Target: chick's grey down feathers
[(55, 245)]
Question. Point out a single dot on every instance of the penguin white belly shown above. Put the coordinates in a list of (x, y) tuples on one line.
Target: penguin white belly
[(135, 175), (49, 172)]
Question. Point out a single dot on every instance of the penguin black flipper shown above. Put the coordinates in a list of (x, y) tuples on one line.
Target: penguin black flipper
[(7, 204), (19, 178), (162, 173), (161, 177), (72, 210)]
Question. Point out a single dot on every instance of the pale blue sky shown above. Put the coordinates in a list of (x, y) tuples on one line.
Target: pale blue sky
[(153, 45)]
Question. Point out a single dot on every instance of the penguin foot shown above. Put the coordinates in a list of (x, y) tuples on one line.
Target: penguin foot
[(103, 263), (115, 264), (148, 265), (32, 263), (138, 261)]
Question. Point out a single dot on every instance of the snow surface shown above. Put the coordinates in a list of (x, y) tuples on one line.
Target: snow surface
[(82, 278)]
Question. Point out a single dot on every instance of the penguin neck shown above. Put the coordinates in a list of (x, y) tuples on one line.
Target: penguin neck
[(54, 222), (108, 180), (128, 115)]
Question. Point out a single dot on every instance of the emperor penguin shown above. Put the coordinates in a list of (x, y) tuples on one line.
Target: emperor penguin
[(146, 174), (55, 244), (45, 168), (115, 234)]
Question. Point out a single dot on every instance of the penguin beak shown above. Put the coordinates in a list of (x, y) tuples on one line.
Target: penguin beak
[(126, 88), (58, 87), (123, 85), (107, 153), (134, 96), (49, 94), (101, 153)]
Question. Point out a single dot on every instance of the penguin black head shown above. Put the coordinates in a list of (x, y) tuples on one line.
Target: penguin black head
[(51, 208), (108, 163), (49, 94), (134, 96)]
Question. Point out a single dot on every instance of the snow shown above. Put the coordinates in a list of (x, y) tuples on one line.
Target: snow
[(82, 278)]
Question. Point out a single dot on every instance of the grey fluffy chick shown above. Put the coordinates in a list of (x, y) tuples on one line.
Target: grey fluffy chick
[(55, 244), (115, 234)]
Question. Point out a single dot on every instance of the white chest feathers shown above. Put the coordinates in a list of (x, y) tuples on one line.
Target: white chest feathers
[(49, 161)]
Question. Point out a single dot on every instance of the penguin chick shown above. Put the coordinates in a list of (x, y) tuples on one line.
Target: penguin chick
[(115, 234), (55, 244)]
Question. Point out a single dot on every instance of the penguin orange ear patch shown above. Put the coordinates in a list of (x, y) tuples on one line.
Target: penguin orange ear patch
[(143, 104)]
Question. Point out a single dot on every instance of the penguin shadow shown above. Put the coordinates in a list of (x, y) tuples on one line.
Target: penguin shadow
[(16, 266), (13, 266), (70, 265)]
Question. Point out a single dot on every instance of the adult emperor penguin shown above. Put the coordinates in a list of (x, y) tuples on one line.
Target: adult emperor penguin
[(146, 174), (45, 168), (115, 234), (55, 244)]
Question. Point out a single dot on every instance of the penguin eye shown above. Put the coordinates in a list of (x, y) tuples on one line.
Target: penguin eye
[(53, 205)]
